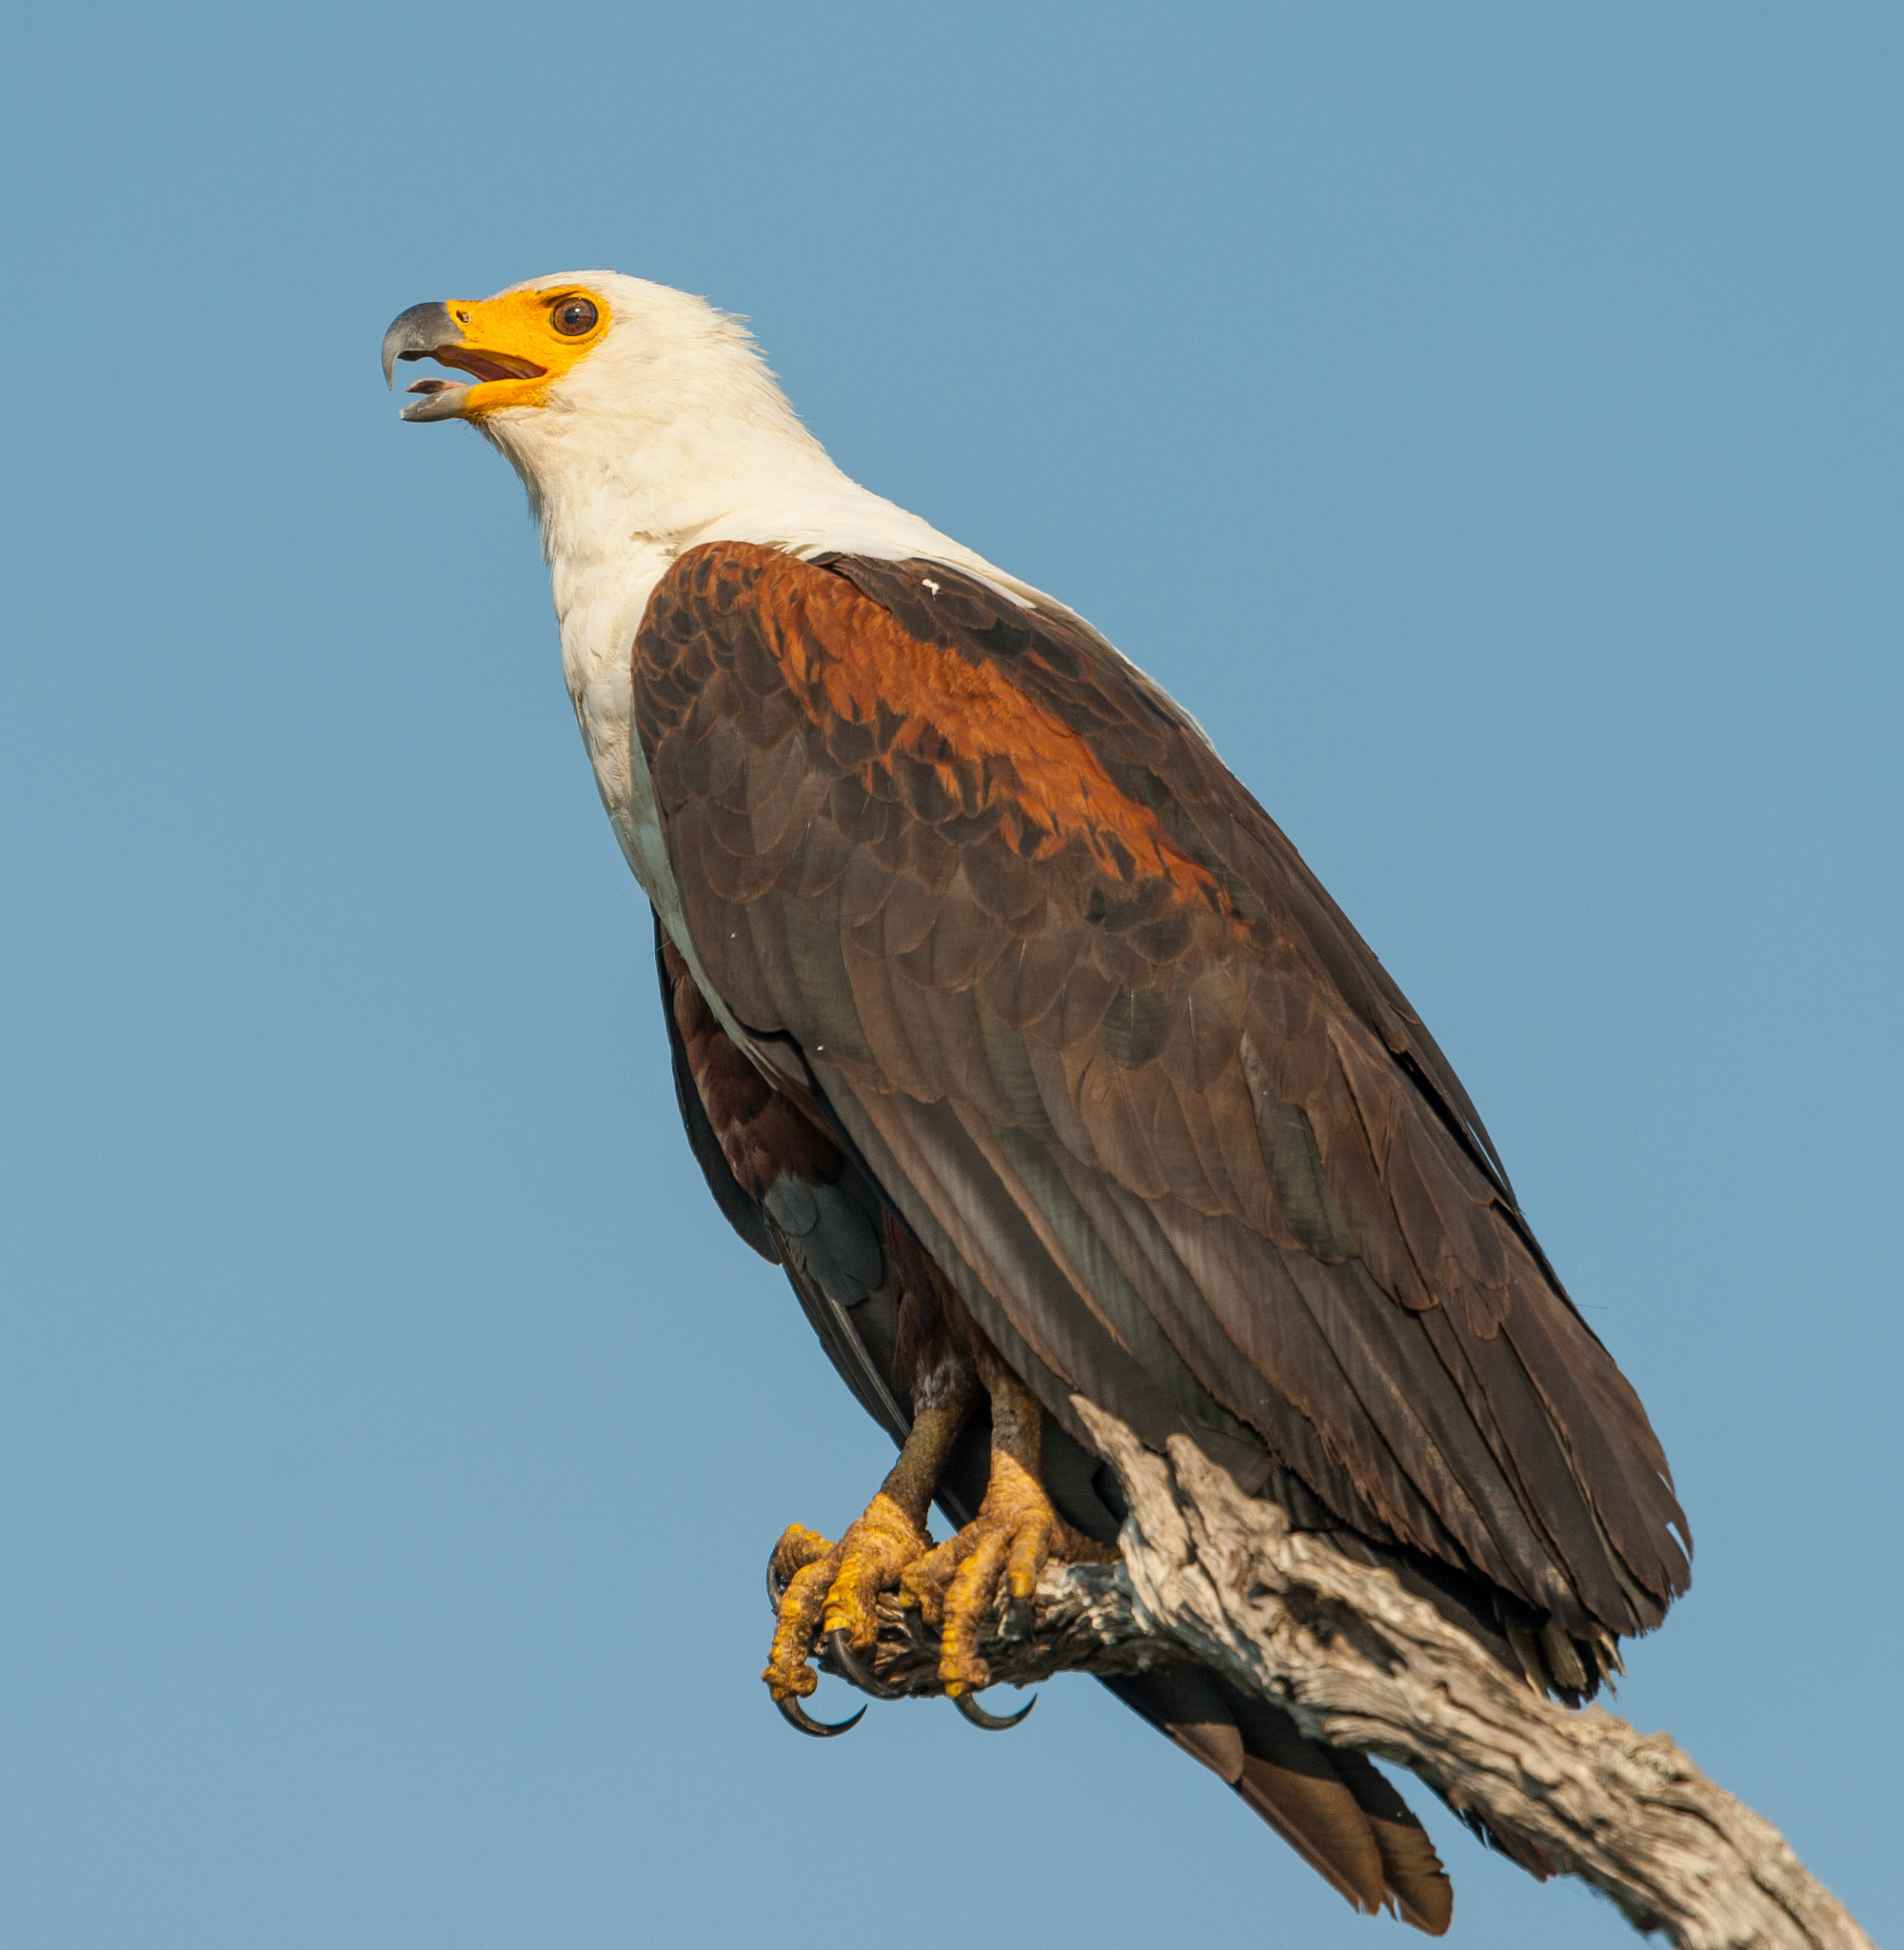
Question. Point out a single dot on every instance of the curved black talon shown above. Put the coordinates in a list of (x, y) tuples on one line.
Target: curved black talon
[(775, 1590), (796, 1716), (840, 1646), (990, 1721), (1020, 1619)]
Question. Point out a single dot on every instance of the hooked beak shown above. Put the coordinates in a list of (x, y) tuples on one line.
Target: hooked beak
[(432, 331), (422, 332)]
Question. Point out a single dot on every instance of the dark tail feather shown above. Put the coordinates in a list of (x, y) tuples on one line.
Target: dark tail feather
[(1334, 1809), (1344, 1811), (1408, 1859)]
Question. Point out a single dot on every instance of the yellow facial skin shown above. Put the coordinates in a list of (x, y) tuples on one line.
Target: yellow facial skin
[(511, 346)]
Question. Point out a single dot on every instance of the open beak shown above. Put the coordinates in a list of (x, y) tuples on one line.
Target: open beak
[(432, 331)]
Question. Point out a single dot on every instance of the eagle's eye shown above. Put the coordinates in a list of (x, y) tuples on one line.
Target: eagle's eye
[(574, 316)]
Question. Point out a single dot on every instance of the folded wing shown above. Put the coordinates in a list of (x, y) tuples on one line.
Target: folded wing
[(1136, 1084)]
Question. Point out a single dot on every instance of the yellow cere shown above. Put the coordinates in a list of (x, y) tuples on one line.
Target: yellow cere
[(511, 345)]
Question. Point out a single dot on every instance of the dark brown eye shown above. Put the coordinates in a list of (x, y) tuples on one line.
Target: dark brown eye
[(574, 316)]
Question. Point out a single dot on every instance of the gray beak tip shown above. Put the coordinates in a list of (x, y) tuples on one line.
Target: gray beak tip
[(415, 335)]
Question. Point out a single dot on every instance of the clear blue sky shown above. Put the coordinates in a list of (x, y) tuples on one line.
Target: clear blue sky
[(1485, 418)]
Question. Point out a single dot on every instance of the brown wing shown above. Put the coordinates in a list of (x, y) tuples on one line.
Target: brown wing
[(1126, 1070)]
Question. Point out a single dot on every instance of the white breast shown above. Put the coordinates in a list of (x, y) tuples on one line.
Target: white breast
[(598, 622)]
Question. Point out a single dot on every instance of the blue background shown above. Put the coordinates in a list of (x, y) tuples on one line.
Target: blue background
[(1486, 418)]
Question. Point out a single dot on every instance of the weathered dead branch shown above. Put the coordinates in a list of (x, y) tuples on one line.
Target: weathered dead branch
[(1087, 1622), (1214, 1578)]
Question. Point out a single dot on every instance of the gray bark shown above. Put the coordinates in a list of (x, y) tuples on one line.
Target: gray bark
[(1214, 1578)]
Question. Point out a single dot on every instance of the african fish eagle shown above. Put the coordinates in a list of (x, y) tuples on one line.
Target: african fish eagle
[(1006, 1021)]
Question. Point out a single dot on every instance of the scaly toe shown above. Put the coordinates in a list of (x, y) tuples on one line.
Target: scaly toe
[(797, 1548), (874, 1554), (834, 1589), (794, 1628), (1016, 1533), (968, 1608), (923, 1583)]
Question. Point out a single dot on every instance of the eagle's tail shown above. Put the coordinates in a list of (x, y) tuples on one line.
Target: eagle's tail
[(1332, 1806)]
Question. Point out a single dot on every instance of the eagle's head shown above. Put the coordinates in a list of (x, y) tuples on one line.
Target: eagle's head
[(643, 404), (528, 347)]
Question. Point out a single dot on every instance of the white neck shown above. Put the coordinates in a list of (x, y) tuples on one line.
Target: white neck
[(726, 470)]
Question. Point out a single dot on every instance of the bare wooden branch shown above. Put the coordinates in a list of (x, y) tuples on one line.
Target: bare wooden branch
[(1087, 1621), (1215, 1578)]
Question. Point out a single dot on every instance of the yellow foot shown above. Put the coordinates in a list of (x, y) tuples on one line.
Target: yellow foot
[(1014, 1535), (831, 1590)]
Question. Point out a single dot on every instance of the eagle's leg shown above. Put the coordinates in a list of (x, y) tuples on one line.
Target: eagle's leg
[(827, 1588), (1014, 1533)]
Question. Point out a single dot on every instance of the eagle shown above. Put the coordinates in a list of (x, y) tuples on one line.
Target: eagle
[(1009, 1024)]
